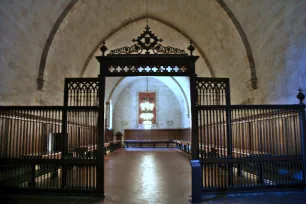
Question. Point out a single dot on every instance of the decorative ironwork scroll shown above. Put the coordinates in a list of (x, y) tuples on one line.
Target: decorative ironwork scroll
[(212, 91), (82, 91), (147, 41), (139, 69)]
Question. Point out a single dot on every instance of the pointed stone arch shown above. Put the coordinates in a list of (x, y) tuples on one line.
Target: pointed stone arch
[(71, 5)]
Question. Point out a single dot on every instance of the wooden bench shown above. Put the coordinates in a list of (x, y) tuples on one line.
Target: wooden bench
[(152, 142), (183, 145), (88, 151), (113, 145)]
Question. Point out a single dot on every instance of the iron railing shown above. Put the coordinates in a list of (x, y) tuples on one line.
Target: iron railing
[(212, 91), (81, 92), (35, 152), (244, 146)]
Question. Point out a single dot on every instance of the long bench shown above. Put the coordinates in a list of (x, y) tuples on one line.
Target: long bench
[(182, 145), (185, 146), (148, 142), (91, 150), (112, 146)]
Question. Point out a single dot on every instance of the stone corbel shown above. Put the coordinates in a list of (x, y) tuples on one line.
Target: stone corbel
[(40, 83), (252, 83)]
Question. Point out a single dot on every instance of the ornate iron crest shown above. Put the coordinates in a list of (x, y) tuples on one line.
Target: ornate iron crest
[(147, 41)]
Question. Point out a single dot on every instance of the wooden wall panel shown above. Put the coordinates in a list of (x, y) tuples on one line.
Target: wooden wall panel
[(186, 134), (275, 135), (18, 134), (157, 134), (27, 136)]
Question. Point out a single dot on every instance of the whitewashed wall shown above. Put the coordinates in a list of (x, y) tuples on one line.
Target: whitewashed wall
[(125, 107)]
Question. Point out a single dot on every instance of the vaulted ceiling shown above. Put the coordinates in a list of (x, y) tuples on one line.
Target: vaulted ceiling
[(258, 44)]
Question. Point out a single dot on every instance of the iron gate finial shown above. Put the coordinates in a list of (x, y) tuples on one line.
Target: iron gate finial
[(103, 48), (191, 48), (301, 96)]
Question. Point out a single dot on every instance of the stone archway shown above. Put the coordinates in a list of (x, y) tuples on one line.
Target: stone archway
[(216, 4)]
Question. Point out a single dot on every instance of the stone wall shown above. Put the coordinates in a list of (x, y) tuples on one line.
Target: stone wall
[(88, 23), (24, 29), (275, 30)]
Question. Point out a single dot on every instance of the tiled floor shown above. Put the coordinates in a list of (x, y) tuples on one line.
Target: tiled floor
[(148, 176), (153, 176)]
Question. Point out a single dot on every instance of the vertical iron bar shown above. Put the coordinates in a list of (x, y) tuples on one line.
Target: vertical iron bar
[(15, 147), (100, 157), (2, 136), (201, 128), (296, 145), (229, 131), (229, 144), (10, 134), (227, 92), (64, 134), (303, 138), (194, 118), (35, 135)]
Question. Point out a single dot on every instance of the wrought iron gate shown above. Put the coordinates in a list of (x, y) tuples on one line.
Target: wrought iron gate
[(53, 148), (36, 155), (61, 148), (81, 92), (248, 146)]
